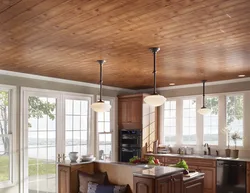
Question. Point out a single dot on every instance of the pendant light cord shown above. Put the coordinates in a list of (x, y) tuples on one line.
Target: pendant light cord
[(154, 50), (204, 81), (101, 62)]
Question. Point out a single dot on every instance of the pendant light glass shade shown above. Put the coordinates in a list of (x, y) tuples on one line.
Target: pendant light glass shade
[(204, 110), (101, 106), (155, 99)]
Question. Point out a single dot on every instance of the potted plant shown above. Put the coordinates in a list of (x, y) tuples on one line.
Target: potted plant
[(228, 150), (235, 136)]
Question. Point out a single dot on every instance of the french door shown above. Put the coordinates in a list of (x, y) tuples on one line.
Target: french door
[(54, 123)]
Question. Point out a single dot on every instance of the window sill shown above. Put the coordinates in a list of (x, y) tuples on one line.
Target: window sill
[(6, 184)]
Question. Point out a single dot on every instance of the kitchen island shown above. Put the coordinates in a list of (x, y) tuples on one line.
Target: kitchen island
[(140, 178)]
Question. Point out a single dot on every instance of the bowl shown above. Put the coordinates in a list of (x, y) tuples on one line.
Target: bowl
[(73, 156), (87, 158)]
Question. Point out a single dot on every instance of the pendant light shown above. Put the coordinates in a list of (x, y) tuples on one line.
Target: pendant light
[(155, 99), (101, 106), (204, 110)]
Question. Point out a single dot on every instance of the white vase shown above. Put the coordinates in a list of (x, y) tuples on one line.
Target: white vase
[(73, 156)]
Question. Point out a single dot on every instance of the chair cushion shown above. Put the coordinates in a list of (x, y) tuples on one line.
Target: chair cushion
[(85, 178), (98, 188)]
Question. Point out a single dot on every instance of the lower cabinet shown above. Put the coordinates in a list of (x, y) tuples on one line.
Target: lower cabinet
[(194, 186), (63, 179), (170, 184), (248, 181), (209, 179), (143, 185), (166, 184)]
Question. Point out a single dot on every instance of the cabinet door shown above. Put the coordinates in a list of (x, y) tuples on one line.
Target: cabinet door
[(143, 185), (248, 181), (209, 179), (135, 114), (177, 183), (164, 185), (123, 107), (194, 186), (63, 179)]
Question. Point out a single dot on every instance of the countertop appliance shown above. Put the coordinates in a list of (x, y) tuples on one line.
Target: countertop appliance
[(130, 143), (231, 176)]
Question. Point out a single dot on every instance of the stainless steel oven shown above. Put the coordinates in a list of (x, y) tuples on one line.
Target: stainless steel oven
[(130, 143)]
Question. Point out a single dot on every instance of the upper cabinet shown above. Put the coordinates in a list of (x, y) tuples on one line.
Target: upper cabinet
[(130, 111), (133, 113)]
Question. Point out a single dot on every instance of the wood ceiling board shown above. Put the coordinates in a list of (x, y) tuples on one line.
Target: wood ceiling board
[(198, 39)]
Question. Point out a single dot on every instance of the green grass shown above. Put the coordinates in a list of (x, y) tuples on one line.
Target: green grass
[(36, 167)]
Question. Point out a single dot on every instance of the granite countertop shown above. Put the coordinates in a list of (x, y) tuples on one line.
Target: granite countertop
[(157, 171), (201, 157)]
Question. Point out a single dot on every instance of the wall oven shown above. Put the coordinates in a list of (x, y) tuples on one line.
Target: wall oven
[(130, 143)]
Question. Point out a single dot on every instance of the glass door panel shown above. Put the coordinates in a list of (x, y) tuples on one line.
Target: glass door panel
[(41, 137), (76, 126)]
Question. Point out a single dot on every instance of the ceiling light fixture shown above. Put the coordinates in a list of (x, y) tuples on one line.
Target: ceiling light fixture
[(155, 99), (241, 75), (101, 106), (204, 110)]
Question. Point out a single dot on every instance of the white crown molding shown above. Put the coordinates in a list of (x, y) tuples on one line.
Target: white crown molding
[(59, 80), (92, 85), (238, 80)]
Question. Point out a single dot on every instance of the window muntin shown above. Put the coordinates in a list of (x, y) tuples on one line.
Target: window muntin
[(76, 126), (234, 116), (211, 122), (170, 122), (189, 122), (104, 135)]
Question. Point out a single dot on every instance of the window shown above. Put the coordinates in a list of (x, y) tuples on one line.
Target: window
[(170, 122), (211, 121), (189, 121), (6, 162), (104, 135), (77, 114), (234, 116)]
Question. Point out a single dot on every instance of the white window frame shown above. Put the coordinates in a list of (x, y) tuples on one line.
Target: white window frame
[(113, 128), (176, 122), (222, 144), (12, 136)]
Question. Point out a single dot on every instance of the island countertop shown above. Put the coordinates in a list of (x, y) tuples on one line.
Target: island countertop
[(157, 171)]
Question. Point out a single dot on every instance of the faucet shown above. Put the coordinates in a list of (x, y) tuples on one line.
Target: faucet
[(207, 149)]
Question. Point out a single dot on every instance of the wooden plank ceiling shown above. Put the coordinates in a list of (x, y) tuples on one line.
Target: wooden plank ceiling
[(199, 39)]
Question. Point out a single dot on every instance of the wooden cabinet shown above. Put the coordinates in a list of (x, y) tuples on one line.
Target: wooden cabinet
[(167, 184), (194, 186), (209, 179), (130, 112), (248, 177), (171, 160), (63, 179), (170, 184), (143, 185)]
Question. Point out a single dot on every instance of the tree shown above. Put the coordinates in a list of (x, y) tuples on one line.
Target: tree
[(37, 109), (234, 107)]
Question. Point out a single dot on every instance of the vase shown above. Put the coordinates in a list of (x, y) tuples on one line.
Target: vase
[(228, 152), (73, 156), (235, 153)]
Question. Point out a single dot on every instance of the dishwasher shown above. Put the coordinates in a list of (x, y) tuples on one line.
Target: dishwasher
[(231, 176)]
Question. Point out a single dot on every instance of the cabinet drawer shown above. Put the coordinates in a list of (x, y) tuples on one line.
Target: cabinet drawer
[(171, 160), (200, 162), (248, 166)]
